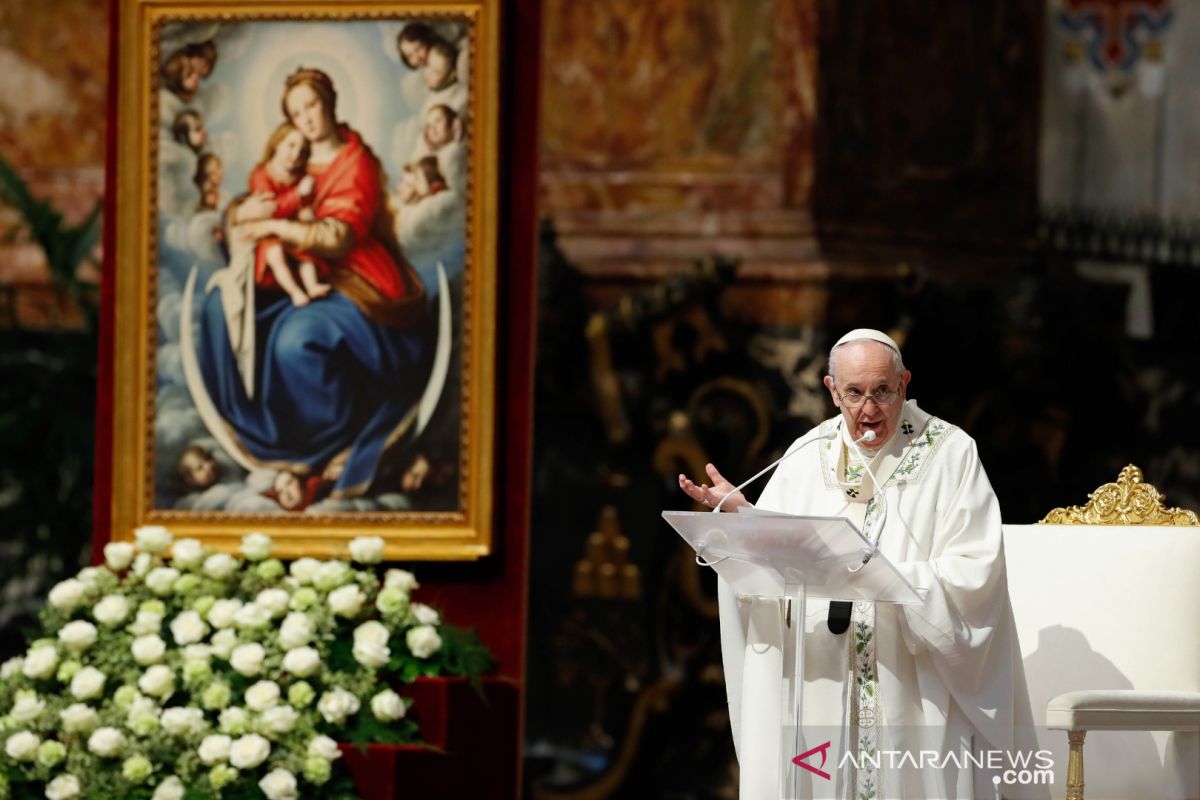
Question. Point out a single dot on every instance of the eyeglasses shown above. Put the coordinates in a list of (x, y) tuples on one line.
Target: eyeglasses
[(854, 398)]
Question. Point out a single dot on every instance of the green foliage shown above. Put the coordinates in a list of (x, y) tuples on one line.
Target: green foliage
[(66, 246), (47, 411)]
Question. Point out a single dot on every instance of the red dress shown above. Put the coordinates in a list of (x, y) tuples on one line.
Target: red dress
[(350, 189)]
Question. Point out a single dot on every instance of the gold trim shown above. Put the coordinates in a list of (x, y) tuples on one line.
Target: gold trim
[(1128, 501), (1075, 762), (464, 534)]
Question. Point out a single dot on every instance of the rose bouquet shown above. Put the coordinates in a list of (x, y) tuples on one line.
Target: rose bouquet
[(202, 675)]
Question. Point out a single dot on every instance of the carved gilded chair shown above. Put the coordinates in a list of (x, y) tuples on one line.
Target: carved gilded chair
[(1172, 707)]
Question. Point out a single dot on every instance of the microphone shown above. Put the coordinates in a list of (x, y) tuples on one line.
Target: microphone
[(788, 454), (869, 436)]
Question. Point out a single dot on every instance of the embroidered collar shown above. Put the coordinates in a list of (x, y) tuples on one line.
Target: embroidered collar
[(845, 472)]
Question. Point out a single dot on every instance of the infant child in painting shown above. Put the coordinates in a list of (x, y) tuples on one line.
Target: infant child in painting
[(279, 173), (422, 178), (196, 468)]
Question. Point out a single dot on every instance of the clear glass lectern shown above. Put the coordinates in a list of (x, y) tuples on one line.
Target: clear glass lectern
[(766, 556)]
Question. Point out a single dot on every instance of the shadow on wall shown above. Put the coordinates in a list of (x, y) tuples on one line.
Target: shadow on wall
[(1118, 764)]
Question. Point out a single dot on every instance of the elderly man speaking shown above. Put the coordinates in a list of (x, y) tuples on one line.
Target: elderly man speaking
[(917, 701)]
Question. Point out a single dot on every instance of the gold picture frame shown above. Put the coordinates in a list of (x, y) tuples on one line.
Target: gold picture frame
[(351, 148)]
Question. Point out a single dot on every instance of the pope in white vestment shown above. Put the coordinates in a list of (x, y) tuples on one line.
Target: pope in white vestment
[(936, 681)]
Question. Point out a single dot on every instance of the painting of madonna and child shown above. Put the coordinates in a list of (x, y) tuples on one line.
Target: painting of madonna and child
[(311, 265)]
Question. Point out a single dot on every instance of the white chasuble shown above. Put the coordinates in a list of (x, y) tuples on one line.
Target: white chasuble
[(944, 676)]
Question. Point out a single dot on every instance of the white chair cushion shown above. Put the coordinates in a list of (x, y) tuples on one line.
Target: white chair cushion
[(1124, 709)]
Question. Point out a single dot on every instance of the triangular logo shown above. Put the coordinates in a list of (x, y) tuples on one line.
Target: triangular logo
[(824, 751)]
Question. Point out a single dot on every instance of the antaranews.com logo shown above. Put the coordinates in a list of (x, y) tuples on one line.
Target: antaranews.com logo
[(1008, 768)]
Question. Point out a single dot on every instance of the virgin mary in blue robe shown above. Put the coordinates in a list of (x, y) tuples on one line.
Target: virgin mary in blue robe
[(326, 387)]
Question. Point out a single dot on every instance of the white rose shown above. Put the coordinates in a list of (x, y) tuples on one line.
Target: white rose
[(278, 720), (66, 595), (141, 564), (252, 615), (262, 695), (79, 718), (90, 576), (63, 787), (214, 748), (106, 742), (22, 746), (234, 720), (248, 751), (424, 614), (40, 662), (170, 789), (12, 667), (247, 659), (146, 623), (111, 610), (387, 706), (77, 635), (157, 681), (148, 650), (181, 720), (347, 601), (274, 601), (220, 566), (188, 628), (372, 632), (223, 613), (400, 579), (256, 546), (187, 554), (118, 555), (28, 707), (371, 655), (337, 704), (302, 661), (198, 652), (141, 706), (330, 575), (304, 569), (324, 747), (423, 641), (367, 549), (297, 629), (153, 539), (278, 784), (160, 580), (88, 683), (223, 643)]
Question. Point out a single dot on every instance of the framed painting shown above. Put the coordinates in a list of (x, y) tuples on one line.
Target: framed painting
[(305, 277)]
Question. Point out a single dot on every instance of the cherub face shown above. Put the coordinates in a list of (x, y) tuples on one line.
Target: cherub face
[(198, 470), (438, 131), (287, 159), (437, 70), (214, 173), (189, 81), (288, 491), (413, 186), (415, 54), (201, 66), (197, 137)]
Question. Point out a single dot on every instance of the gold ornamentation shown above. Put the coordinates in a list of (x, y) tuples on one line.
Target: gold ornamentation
[(1075, 760), (1129, 501)]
